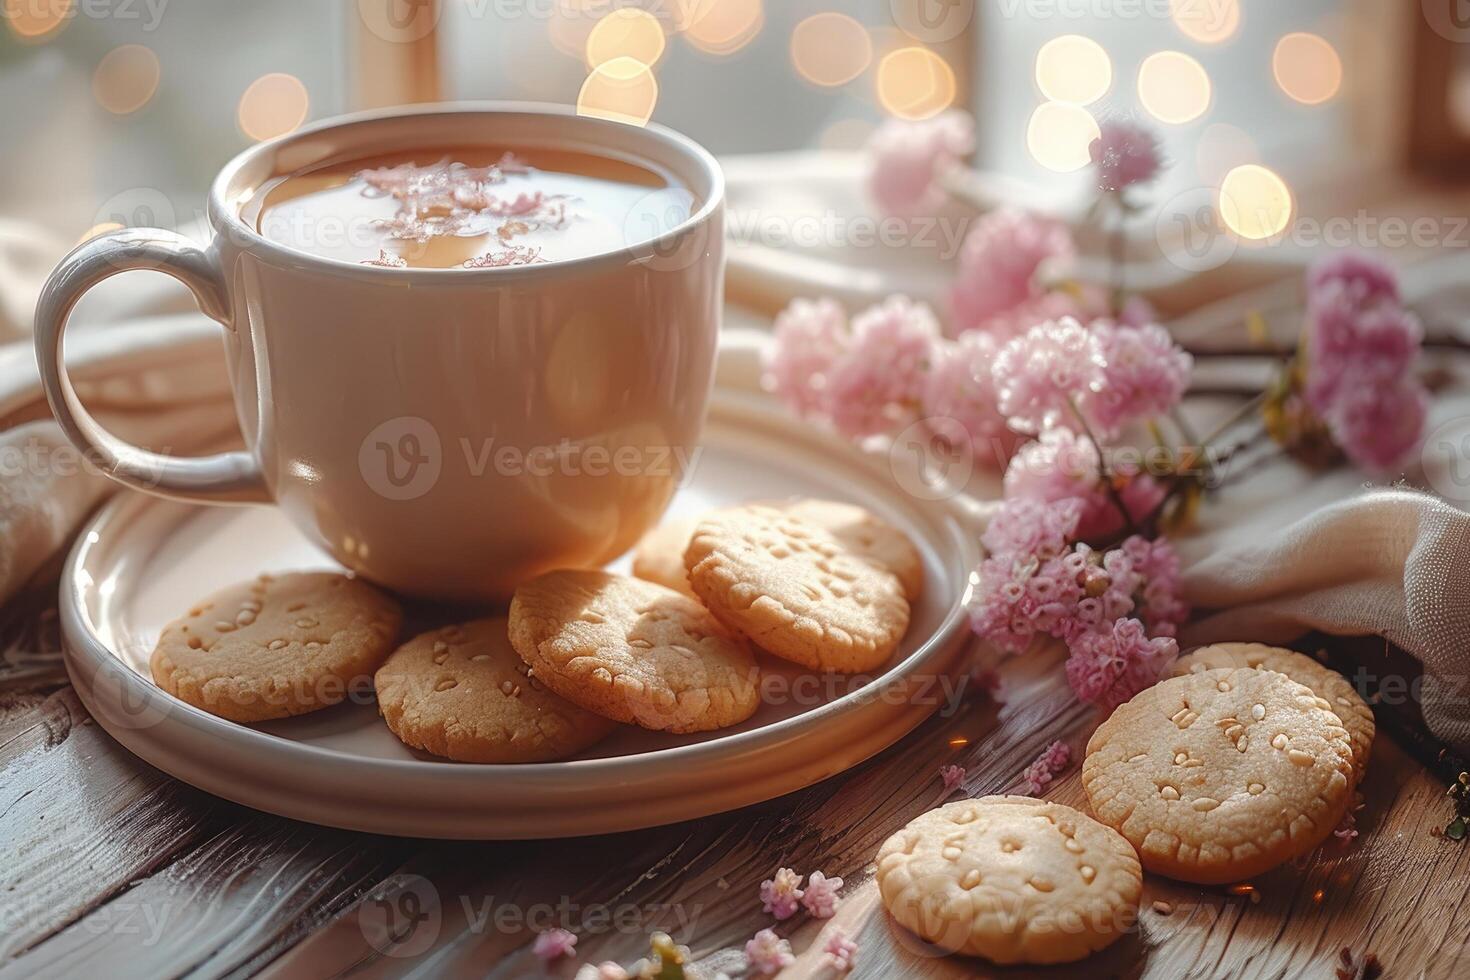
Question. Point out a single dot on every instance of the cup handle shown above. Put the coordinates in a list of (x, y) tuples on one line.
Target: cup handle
[(233, 477)]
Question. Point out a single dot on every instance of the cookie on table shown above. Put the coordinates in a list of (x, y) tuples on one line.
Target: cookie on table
[(1219, 775), (659, 556), (462, 692), (277, 646), (633, 651), (1325, 682), (795, 590), (1011, 878)]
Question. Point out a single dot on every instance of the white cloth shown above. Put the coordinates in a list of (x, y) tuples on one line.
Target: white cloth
[(1281, 553)]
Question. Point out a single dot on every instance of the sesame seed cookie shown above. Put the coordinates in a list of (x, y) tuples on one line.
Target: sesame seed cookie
[(660, 555), (277, 646), (1012, 879), (1222, 774), (633, 651), (795, 589), (461, 692), (1325, 682)]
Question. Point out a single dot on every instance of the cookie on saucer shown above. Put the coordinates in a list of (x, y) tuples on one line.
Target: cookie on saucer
[(461, 692), (795, 590), (277, 646), (1011, 878), (633, 651), (1220, 775)]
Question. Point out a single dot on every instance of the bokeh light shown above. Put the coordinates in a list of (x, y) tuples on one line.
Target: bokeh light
[(272, 106), (36, 20), (569, 26), (1255, 203), (623, 90), (1073, 68), (915, 83), (1206, 21), (1060, 136), (1307, 68), (627, 32), (1173, 87), (830, 49), (1221, 148), (126, 78), (722, 27)]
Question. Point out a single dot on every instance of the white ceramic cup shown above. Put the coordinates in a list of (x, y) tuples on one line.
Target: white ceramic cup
[(444, 432)]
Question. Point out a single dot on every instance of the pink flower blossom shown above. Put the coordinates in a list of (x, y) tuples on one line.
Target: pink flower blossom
[(1350, 332), (1379, 423), (1158, 588), (781, 895), (1125, 154), (951, 777), (1144, 374), (999, 264), (1032, 528), (768, 953), (1368, 279), (820, 898), (960, 387), (908, 158), (1048, 765), (1040, 375), (809, 337), (1109, 666), (553, 944), (1062, 465), (840, 951), (876, 385)]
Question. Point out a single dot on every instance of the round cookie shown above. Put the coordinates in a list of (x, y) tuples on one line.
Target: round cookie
[(276, 646), (659, 556), (1222, 774), (462, 693), (795, 590), (633, 651), (1012, 879), (1325, 682), (866, 536)]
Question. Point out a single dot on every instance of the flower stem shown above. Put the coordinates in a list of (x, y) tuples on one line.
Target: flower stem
[(1234, 418), (1102, 468)]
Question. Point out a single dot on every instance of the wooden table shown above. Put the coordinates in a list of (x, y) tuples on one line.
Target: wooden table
[(112, 868)]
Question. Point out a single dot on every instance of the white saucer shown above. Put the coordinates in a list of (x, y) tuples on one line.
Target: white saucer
[(142, 561)]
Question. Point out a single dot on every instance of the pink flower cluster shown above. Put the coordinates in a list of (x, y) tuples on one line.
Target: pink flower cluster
[(1125, 154), (1117, 611), (767, 953), (908, 158), (1361, 350), (782, 894), (1109, 373), (1053, 760), (1000, 286), (887, 369)]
